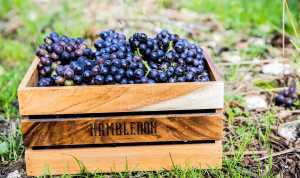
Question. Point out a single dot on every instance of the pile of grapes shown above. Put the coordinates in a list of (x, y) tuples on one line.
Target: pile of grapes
[(164, 58), (287, 97)]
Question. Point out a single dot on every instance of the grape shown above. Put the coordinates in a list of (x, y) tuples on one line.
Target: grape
[(287, 97)]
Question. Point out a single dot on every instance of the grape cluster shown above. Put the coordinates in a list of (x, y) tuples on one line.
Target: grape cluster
[(116, 61), (57, 55), (287, 97), (142, 59), (170, 58)]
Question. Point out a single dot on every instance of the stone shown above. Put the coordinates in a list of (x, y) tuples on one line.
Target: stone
[(254, 102), (231, 57), (14, 174), (276, 68), (260, 42), (290, 130)]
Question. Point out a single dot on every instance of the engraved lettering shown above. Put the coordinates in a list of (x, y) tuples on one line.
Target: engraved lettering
[(107, 129), (101, 129), (146, 128), (125, 130), (153, 128), (132, 128), (110, 128), (118, 128), (140, 128)]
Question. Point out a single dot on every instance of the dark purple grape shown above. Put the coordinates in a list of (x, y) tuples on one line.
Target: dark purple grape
[(124, 81), (45, 61), (87, 75), (78, 79), (154, 74), (172, 80), (46, 71), (104, 70), (77, 67), (162, 77), (99, 80), (144, 79), (69, 73), (45, 82), (190, 76), (288, 102), (279, 100), (286, 93), (57, 48), (292, 89), (179, 71), (118, 78), (138, 73), (96, 70), (59, 80), (109, 79), (180, 79)]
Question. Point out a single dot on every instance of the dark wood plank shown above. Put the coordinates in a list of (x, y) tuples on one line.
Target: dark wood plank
[(122, 129)]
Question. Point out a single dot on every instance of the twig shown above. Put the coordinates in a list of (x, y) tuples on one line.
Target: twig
[(297, 111), (230, 153), (251, 62), (279, 153), (283, 28), (258, 91)]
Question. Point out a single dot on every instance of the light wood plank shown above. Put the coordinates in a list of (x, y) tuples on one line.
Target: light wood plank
[(120, 98), (122, 129), (117, 159)]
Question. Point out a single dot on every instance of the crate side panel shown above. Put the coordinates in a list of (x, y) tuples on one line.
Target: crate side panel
[(31, 77), (122, 129), (121, 98), (119, 159), (212, 69)]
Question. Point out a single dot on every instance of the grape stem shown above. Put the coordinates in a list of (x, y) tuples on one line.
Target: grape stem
[(170, 47), (147, 67), (138, 53)]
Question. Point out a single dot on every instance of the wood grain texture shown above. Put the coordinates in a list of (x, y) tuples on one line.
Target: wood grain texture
[(120, 98), (212, 69), (31, 77), (116, 159), (122, 129)]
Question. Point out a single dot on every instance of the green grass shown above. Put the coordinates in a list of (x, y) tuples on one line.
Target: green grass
[(11, 145), (239, 14)]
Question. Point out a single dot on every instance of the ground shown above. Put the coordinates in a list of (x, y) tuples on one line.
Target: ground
[(246, 49)]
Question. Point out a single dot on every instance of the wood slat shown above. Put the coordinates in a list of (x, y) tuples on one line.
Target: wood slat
[(122, 129), (127, 158), (119, 98)]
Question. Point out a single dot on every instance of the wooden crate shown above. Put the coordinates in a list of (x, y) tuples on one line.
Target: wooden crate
[(141, 126)]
